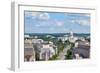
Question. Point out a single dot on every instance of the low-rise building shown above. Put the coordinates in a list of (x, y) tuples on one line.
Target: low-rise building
[(29, 53), (46, 51), (81, 49), (37, 49)]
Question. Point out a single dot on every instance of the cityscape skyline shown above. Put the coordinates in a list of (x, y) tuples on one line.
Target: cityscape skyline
[(56, 36)]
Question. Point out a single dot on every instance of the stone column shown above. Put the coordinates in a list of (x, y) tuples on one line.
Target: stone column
[(46, 56), (34, 55), (40, 55)]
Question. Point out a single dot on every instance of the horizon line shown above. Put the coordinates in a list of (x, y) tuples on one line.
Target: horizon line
[(55, 33)]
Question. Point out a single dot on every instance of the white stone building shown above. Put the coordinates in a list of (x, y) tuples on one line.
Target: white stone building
[(46, 52)]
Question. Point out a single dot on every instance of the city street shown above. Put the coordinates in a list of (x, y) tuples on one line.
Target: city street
[(63, 53)]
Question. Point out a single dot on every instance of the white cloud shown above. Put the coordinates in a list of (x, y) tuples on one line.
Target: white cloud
[(30, 13), (44, 16), (38, 15), (81, 22), (85, 22), (59, 23)]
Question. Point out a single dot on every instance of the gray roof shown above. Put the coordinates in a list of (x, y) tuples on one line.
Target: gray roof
[(83, 51)]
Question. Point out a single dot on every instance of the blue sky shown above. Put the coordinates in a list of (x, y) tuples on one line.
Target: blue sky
[(56, 22)]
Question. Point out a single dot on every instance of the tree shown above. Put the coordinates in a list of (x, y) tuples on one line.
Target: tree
[(67, 42), (69, 54), (72, 45), (54, 57)]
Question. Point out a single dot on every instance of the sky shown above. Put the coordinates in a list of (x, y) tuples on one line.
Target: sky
[(56, 22)]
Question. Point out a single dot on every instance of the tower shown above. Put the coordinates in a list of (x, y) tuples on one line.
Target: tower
[(71, 34), (71, 37)]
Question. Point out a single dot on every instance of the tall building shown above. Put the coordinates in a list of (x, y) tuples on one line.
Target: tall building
[(71, 34), (71, 37)]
